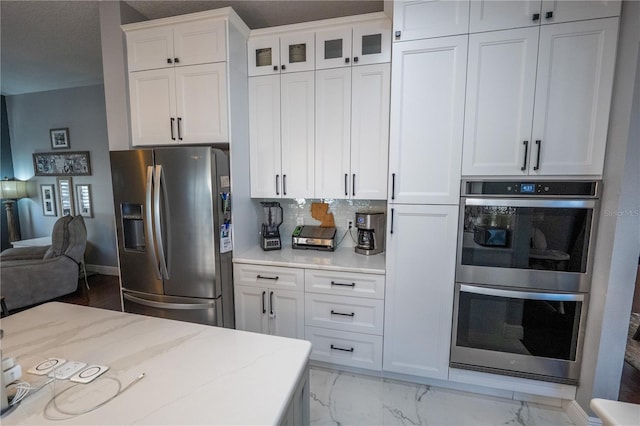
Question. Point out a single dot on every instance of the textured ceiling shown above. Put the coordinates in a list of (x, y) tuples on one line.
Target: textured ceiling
[(48, 45)]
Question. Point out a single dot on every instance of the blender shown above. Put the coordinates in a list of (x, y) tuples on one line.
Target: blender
[(272, 219)]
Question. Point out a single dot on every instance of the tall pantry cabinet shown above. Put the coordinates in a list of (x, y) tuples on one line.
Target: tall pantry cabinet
[(426, 130)]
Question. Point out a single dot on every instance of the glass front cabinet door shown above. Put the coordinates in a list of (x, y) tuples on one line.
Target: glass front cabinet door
[(361, 44), (281, 54)]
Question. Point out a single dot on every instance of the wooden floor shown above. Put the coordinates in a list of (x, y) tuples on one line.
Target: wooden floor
[(105, 293)]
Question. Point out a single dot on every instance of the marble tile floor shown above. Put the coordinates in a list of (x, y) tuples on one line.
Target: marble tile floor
[(340, 398)]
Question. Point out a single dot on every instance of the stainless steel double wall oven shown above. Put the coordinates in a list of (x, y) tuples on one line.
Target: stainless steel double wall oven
[(522, 278)]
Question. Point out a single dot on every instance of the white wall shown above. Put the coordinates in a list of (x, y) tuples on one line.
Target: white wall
[(82, 110), (618, 236)]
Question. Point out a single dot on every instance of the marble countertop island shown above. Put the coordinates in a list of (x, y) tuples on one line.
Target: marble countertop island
[(194, 374)]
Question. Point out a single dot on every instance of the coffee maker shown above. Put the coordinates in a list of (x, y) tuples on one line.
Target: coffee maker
[(371, 229), (272, 219)]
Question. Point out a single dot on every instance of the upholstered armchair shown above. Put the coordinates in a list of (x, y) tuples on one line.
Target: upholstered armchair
[(30, 275)]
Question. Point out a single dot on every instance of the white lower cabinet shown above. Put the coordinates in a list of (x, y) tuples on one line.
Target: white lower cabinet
[(421, 256), (340, 313), (344, 317), (345, 348), (272, 303)]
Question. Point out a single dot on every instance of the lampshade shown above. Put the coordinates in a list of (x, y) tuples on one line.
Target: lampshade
[(13, 189)]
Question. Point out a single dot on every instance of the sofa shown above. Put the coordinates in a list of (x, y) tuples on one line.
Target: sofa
[(31, 275)]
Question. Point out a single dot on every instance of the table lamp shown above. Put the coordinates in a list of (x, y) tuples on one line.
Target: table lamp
[(10, 191)]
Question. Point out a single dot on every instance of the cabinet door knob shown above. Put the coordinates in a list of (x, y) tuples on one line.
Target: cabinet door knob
[(277, 184), (355, 59), (176, 60), (398, 34), (169, 61), (282, 67), (275, 68), (346, 60), (536, 16), (171, 120), (284, 184), (179, 134), (549, 15), (353, 186)]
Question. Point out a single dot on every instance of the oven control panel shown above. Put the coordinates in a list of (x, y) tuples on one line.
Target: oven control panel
[(583, 189)]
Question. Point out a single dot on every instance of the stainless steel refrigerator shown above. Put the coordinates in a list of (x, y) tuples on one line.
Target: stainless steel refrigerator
[(172, 222)]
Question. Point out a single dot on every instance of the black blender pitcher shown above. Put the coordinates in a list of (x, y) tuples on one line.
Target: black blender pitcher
[(272, 219)]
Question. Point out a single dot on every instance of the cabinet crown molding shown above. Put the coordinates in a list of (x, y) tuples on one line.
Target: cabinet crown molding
[(222, 13), (319, 25)]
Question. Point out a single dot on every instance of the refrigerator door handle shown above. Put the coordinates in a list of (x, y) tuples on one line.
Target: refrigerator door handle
[(158, 224), (167, 305), (150, 227)]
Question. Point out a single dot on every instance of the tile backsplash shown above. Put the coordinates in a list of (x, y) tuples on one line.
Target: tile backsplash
[(343, 212)]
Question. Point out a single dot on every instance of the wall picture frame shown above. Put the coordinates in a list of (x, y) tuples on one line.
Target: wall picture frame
[(48, 194), (65, 189), (76, 163), (59, 138), (83, 200)]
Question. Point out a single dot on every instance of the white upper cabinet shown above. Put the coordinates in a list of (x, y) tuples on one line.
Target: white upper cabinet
[(491, 15), (370, 103), (555, 125), (360, 44), (201, 103), (427, 119), (352, 128), (282, 135), (153, 110), (264, 136), (297, 122), (417, 19), (281, 54), (573, 97), (333, 132), (499, 102), (189, 43), (554, 11)]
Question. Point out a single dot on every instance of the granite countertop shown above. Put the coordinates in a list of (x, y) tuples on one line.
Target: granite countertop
[(194, 374), (343, 259)]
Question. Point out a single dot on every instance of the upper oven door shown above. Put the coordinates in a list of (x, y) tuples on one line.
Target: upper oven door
[(535, 243)]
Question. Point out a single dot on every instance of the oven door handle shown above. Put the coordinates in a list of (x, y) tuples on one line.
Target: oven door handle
[(517, 294), (512, 202)]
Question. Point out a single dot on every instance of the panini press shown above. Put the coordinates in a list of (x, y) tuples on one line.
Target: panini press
[(314, 238)]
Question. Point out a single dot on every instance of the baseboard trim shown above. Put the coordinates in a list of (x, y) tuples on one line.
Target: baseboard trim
[(578, 416), (104, 270)]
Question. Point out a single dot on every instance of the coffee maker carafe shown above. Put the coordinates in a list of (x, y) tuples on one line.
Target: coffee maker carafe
[(272, 219), (371, 229)]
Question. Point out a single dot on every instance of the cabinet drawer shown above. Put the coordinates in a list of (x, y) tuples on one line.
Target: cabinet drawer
[(344, 313), (345, 283), (341, 347), (268, 276)]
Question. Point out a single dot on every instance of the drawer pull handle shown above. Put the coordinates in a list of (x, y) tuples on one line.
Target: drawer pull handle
[(352, 314), (343, 284), (267, 278), (336, 348)]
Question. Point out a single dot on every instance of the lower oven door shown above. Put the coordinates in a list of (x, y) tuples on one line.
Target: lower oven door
[(518, 332)]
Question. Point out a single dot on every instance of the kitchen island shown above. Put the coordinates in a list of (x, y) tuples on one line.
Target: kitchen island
[(193, 374)]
